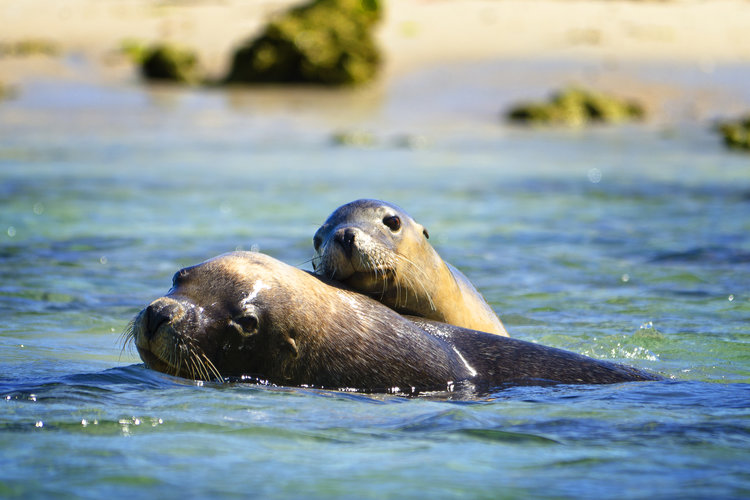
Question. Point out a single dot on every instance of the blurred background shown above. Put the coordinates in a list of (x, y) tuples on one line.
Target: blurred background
[(583, 162)]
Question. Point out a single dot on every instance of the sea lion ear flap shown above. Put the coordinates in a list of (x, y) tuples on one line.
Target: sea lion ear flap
[(291, 345)]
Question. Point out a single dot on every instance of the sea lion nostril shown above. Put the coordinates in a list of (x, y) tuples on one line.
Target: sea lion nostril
[(158, 313), (345, 238)]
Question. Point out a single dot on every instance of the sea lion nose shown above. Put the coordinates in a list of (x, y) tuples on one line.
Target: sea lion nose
[(345, 238), (159, 312)]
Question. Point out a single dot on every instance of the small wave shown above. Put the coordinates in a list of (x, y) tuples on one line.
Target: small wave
[(88, 387), (507, 437), (705, 255)]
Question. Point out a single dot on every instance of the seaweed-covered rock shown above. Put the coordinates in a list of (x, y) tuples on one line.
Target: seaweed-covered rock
[(29, 47), (577, 107), (7, 92), (134, 50), (169, 63), (360, 139), (325, 42), (736, 133)]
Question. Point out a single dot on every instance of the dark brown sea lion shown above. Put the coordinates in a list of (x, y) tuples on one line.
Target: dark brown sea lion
[(245, 313), (377, 249)]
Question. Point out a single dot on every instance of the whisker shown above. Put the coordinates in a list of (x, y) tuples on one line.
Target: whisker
[(195, 372), (307, 261), (201, 366), (212, 367), (417, 280), (127, 336)]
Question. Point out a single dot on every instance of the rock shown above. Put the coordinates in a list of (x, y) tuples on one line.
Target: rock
[(7, 92), (323, 42), (29, 47), (357, 139), (169, 63), (736, 133), (134, 50), (577, 107)]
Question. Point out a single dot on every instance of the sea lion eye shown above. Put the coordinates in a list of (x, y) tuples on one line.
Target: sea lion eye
[(179, 277), (426, 234), (393, 222)]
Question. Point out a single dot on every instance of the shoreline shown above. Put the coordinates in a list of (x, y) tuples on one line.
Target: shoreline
[(414, 34)]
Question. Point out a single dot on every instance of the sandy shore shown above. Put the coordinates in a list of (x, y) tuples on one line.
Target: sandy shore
[(415, 33)]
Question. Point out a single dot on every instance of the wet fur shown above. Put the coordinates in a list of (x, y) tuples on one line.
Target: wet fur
[(525, 362), (398, 268), (315, 333)]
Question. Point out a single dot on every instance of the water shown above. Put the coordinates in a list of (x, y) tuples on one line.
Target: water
[(629, 244)]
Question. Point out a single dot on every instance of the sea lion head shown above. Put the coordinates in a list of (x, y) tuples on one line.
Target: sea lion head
[(216, 322), (248, 314), (373, 246)]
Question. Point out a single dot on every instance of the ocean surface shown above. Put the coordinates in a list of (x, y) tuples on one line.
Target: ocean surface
[(630, 244)]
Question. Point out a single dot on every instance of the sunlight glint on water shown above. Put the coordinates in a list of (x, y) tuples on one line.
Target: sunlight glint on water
[(621, 244)]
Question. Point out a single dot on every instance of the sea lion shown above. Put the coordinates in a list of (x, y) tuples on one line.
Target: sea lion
[(377, 249), (247, 314)]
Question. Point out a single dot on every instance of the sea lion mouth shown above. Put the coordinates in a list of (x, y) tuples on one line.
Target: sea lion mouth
[(153, 362), (168, 351), (181, 359)]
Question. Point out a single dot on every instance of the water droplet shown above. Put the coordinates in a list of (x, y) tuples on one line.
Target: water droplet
[(225, 208), (11, 231), (731, 297), (39, 423), (255, 247), (103, 259), (594, 175), (649, 325), (625, 278), (32, 397), (38, 208), (84, 422)]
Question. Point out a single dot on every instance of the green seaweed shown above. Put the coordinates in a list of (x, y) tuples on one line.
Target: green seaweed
[(169, 63), (134, 50), (7, 92), (30, 47), (736, 133), (324, 42), (356, 138), (577, 107)]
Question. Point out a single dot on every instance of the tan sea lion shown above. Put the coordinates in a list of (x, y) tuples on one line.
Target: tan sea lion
[(377, 249), (247, 314)]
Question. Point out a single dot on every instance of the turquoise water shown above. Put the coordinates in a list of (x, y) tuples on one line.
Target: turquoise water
[(629, 244)]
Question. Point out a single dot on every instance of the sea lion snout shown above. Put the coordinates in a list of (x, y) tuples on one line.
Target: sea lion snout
[(162, 311), (345, 237)]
